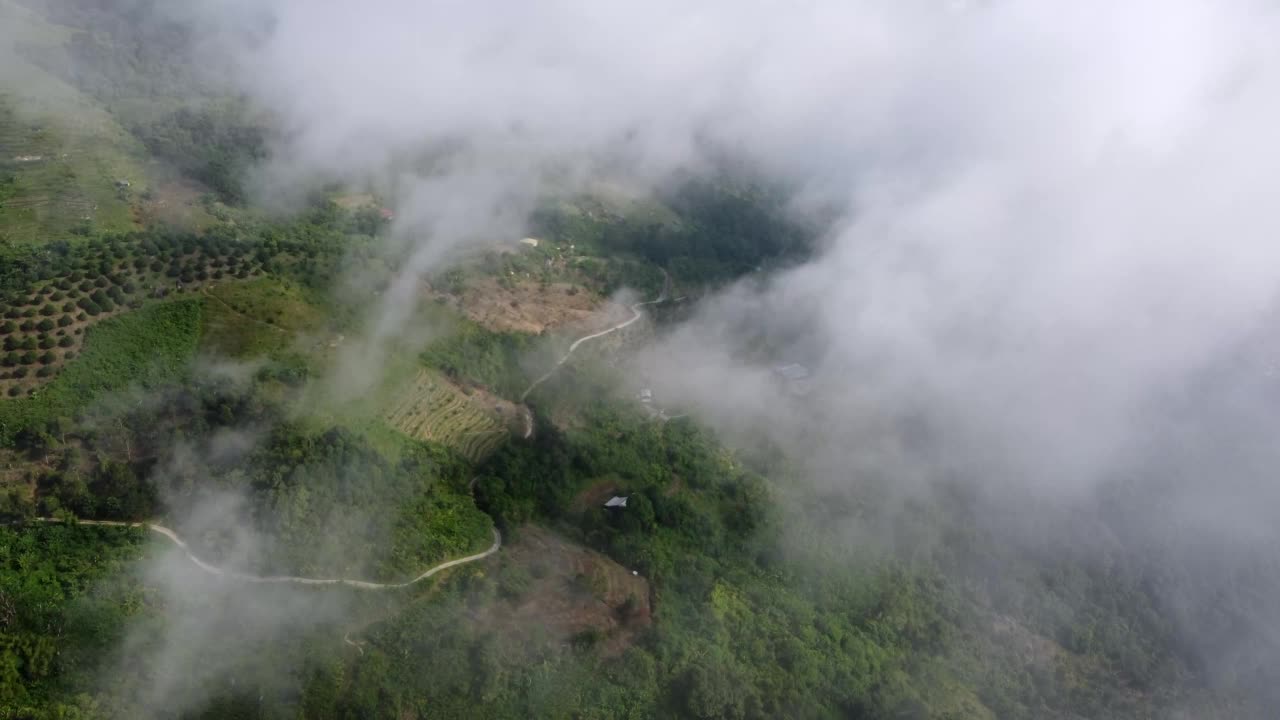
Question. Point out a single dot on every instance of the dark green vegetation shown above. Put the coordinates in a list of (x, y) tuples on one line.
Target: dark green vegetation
[(334, 506), (215, 146), (482, 356), (740, 628), (708, 231), (746, 630), (327, 502), (65, 596), (121, 51)]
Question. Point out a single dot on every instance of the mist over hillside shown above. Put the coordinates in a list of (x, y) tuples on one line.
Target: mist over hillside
[(1054, 228), (1018, 261)]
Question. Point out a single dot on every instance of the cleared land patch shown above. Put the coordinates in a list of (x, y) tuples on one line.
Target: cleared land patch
[(550, 585), (177, 202), (525, 306)]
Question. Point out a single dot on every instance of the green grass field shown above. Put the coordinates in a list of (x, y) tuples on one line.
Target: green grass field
[(257, 318), (142, 348), (62, 155)]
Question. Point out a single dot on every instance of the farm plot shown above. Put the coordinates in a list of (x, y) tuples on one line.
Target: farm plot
[(432, 409), (56, 182), (43, 325)]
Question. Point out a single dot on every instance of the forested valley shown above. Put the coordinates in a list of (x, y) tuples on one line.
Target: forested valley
[(317, 452)]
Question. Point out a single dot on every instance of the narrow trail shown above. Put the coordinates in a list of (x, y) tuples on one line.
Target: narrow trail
[(205, 292), (291, 579), (635, 315)]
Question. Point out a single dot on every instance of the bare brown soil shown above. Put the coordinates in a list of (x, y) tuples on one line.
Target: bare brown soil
[(354, 201), (572, 593), (604, 316), (595, 494), (526, 307), (509, 414), (172, 202)]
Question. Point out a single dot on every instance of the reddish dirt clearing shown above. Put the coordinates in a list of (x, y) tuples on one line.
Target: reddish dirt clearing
[(568, 592), (526, 307)]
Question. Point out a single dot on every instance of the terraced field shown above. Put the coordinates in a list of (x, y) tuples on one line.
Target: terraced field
[(66, 164), (52, 182), (432, 409)]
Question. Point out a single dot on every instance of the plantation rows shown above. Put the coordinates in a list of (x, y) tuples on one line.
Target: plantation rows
[(433, 411), (478, 445), (47, 303)]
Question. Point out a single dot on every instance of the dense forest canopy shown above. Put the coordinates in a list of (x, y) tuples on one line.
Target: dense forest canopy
[(726, 228)]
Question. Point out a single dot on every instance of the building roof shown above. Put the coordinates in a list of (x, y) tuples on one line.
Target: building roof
[(617, 502)]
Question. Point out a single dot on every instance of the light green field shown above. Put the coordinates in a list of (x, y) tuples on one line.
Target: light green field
[(408, 402), (258, 318)]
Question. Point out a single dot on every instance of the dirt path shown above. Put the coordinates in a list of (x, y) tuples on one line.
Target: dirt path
[(222, 572), (205, 292), (527, 414), (635, 315)]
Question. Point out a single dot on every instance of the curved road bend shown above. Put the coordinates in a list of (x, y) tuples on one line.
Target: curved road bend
[(635, 315), (223, 572)]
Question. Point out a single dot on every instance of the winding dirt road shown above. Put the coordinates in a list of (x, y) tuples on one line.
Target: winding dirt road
[(246, 577), (212, 569), (635, 315)]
